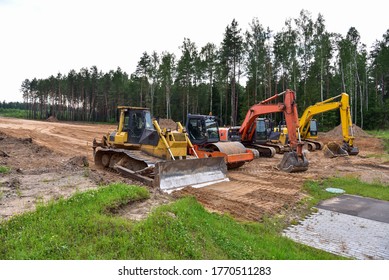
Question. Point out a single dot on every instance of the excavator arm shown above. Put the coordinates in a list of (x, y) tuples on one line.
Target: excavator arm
[(295, 160), (345, 116)]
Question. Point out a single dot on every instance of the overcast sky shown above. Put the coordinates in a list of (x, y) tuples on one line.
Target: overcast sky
[(40, 38)]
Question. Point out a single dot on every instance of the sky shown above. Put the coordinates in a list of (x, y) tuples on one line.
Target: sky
[(40, 38)]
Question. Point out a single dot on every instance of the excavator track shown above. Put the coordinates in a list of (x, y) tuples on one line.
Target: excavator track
[(314, 145), (280, 149), (264, 151)]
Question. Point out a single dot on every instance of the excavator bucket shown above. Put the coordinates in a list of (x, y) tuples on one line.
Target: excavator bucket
[(292, 162), (333, 149), (351, 150), (173, 175)]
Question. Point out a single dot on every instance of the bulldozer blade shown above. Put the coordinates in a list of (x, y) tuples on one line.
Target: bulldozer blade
[(333, 149), (292, 162), (173, 175)]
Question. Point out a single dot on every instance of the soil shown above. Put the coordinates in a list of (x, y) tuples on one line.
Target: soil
[(167, 123), (50, 160)]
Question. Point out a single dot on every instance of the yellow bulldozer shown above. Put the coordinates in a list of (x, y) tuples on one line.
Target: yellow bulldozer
[(140, 149)]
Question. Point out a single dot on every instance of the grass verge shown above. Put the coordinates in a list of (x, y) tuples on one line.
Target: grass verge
[(82, 227), (317, 190)]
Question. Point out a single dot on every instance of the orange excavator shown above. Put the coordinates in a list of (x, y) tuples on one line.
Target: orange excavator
[(293, 161)]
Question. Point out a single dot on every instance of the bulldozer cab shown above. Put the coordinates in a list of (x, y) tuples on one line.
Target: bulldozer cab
[(202, 129), (134, 122)]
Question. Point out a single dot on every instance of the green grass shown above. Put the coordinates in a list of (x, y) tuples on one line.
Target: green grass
[(82, 227), (4, 169), (350, 185)]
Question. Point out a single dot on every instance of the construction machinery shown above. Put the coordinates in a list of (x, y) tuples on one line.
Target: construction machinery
[(308, 125), (140, 149), (204, 134), (229, 133), (293, 161), (268, 135)]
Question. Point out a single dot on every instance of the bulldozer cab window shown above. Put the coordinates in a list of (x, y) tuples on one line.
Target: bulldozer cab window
[(148, 122), (126, 123)]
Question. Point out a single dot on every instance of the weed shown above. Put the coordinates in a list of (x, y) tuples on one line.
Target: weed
[(4, 169), (86, 172)]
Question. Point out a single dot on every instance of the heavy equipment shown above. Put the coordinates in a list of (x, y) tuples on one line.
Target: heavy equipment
[(293, 161), (203, 131), (308, 125), (140, 149), (268, 135), (229, 133)]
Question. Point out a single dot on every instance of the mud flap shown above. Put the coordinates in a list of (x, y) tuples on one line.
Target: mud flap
[(291, 162), (333, 149), (173, 175)]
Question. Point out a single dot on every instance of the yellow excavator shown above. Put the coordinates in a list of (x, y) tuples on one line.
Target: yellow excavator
[(140, 149), (308, 126)]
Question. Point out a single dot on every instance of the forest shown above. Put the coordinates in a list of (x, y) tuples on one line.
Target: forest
[(226, 78)]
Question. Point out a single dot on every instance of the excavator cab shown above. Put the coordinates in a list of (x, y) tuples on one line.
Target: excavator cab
[(312, 128), (233, 133), (261, 130)]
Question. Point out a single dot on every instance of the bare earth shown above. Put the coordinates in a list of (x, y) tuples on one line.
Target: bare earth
[(49, 160)]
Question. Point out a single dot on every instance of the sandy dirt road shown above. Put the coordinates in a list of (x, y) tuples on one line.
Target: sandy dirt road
[(255, 189), (68, 139)]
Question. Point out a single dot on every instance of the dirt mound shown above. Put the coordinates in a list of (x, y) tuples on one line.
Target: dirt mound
[(80, 161), (167, 123), (337, 131), (52, 119)]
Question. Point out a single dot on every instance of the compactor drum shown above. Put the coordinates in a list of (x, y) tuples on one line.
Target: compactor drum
[(140, 149), (204, 134)]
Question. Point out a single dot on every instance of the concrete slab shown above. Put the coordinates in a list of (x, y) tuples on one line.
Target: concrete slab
[(358, 206)]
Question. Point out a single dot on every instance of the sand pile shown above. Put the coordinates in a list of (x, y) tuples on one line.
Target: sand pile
[(52, 119), (167, 123), (358, 132)]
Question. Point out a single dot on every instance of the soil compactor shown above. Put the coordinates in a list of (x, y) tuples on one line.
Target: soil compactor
[(140, 149), (204, 134), (293, 161)]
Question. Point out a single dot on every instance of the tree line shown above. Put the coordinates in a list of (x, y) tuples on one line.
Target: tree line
[(228, 78)]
